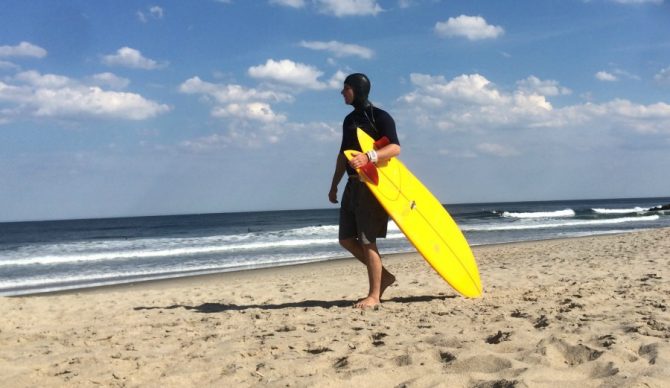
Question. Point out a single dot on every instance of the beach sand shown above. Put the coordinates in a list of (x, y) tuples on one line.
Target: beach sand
[(586, 312)]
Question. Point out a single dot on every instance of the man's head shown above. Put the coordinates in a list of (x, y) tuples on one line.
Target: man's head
[(360, 85)]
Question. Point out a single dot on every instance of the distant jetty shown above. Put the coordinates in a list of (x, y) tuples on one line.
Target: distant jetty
[(662, 207)]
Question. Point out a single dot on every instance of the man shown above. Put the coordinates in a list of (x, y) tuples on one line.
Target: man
[(362, 218)]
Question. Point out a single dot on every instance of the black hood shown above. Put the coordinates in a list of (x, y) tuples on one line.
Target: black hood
[(360, 84)]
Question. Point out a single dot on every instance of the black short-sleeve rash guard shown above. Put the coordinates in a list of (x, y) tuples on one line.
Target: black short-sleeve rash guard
[(374, 121)]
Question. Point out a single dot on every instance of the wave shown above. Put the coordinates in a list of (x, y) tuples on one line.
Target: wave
[(263, 243), (620, 211), (44, 284), (551, 225), (170, 252), (550, 214)]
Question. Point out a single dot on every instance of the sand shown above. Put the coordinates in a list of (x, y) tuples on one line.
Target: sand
[(587, 312)]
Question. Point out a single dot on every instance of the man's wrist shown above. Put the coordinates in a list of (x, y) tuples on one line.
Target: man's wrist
[(372, 156)]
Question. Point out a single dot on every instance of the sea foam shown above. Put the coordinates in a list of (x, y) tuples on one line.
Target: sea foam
[(551, 214)]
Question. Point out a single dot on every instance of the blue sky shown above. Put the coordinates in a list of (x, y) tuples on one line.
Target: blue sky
[(112, 108)]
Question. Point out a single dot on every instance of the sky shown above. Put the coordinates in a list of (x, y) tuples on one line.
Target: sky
[(126, 108)]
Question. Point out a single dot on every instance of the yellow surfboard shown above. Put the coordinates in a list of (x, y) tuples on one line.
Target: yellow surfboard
[(425, 222)]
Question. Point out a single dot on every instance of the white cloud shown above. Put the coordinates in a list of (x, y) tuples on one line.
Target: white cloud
[(155, 12), (251, 119), (618, 113), (227, 93), (23, 49), (242, 134), (6, 65), (638, 1), (258, 134), (254, 111), (339, 49), (626, 74), (470, 27), (208, 143), (457, 153), (530, 103), (34, 78), (291, 73), (289, 3), (342, 8), (471, 89), (337, 80), (663, 76), (626, 109), (470, 102), (534, 85), (94, 101), (473, 103), (497, 150), (606, 76), (248, 117), (132, 58), (51, 95), (111, 80)]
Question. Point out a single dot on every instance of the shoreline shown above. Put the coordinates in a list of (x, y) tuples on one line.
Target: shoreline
[(586, 311), (235, 272)]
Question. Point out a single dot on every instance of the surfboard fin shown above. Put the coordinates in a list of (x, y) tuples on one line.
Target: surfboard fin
[(370, 172)]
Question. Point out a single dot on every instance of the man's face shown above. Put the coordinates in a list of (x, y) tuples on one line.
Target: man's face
[(348, 94)]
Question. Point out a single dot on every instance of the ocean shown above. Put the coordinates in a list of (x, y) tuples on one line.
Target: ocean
[(59, 255)]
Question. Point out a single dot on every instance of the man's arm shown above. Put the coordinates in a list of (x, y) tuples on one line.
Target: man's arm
[(340, 169), (388, 152), (384, 154)]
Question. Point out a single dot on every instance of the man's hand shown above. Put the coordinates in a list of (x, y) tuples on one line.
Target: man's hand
[(332, 195), (359, 160)]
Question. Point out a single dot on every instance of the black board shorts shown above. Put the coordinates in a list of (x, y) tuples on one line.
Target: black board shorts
[(361, 215)]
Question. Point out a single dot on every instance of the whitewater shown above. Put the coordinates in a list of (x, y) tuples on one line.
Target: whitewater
[(59, 255)]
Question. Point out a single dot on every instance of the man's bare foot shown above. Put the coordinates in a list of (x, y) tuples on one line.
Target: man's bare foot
[(367, 303), (386, 282)]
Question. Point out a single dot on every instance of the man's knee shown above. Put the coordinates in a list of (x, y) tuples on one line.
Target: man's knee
[(370, 249), (348, 242)]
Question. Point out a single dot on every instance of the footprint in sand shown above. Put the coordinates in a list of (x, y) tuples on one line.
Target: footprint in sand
[(603, 370), (496, 384), (341, 363), (560, 352), (286, 328), (519, 314), (318, 350), (541, 322), (649, 352), (403, 360), (377, 339), (447, 357), (498, 338), (483, 364)]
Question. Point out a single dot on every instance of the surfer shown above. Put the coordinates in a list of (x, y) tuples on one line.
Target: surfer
[(362, 218)]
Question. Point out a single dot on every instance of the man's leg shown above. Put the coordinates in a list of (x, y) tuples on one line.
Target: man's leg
[(369, 254), (374, 264)]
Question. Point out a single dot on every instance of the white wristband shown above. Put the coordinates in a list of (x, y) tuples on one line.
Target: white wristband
[(372, 155)]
